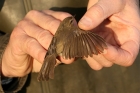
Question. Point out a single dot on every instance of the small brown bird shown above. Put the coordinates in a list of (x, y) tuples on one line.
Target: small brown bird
[(69, 42)]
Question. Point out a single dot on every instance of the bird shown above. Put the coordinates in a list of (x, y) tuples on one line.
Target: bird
[(70, 41)]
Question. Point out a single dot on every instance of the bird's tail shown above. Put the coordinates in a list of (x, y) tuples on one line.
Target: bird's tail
[(47, 69)]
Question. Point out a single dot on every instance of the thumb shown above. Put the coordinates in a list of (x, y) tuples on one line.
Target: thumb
[(99, 11)]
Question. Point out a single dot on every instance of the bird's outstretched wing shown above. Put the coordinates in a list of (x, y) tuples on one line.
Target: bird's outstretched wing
[(83, 44)]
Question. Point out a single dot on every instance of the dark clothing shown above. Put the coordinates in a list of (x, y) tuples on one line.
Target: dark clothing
[(77, 77)]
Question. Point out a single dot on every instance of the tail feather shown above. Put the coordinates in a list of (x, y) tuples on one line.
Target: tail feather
[(47, 69)]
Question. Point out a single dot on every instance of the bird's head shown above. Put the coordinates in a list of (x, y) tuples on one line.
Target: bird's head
[(69, 21)]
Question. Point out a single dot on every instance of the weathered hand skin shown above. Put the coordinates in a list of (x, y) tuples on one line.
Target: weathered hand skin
[(70, 41)]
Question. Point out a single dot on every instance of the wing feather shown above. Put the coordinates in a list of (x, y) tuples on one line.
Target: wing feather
[(72, 47), (92, 45), (100, 40), (95, 51), (79, 49), (75, 52), (80, 46), (97, 43), (83, 43), (100, 44), (88, 44), (84, 47)]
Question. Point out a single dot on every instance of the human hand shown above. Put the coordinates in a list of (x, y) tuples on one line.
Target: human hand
[(29, 42), (118, 23)]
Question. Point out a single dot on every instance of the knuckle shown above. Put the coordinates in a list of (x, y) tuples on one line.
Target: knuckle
[(32, 13), (127, 64), (45, 37), (42, 35), (123, 60), (22, 23), (129, 59), (113, 58), (28, 43), (52, 23), (15, 32)]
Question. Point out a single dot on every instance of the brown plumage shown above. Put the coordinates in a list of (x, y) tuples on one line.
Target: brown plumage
[(70, 41)]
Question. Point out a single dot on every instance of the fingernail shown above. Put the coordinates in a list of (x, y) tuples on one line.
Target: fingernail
[(85, 21)]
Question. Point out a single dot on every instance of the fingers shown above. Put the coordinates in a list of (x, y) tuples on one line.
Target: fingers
[(39, 24), (37, 66), (47, 19), (43, 36), (23, 45), (66, 61), (98, 61), (99, 11), (34, 49), (102, 60), (124, 55), (93, 63), (57, 14), (44, 21)]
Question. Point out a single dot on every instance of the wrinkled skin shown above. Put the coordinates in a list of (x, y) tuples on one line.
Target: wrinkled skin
[(116, 21), (121, 30)]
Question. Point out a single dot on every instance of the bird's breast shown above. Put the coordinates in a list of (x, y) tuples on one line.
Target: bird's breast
[(59, 47)]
